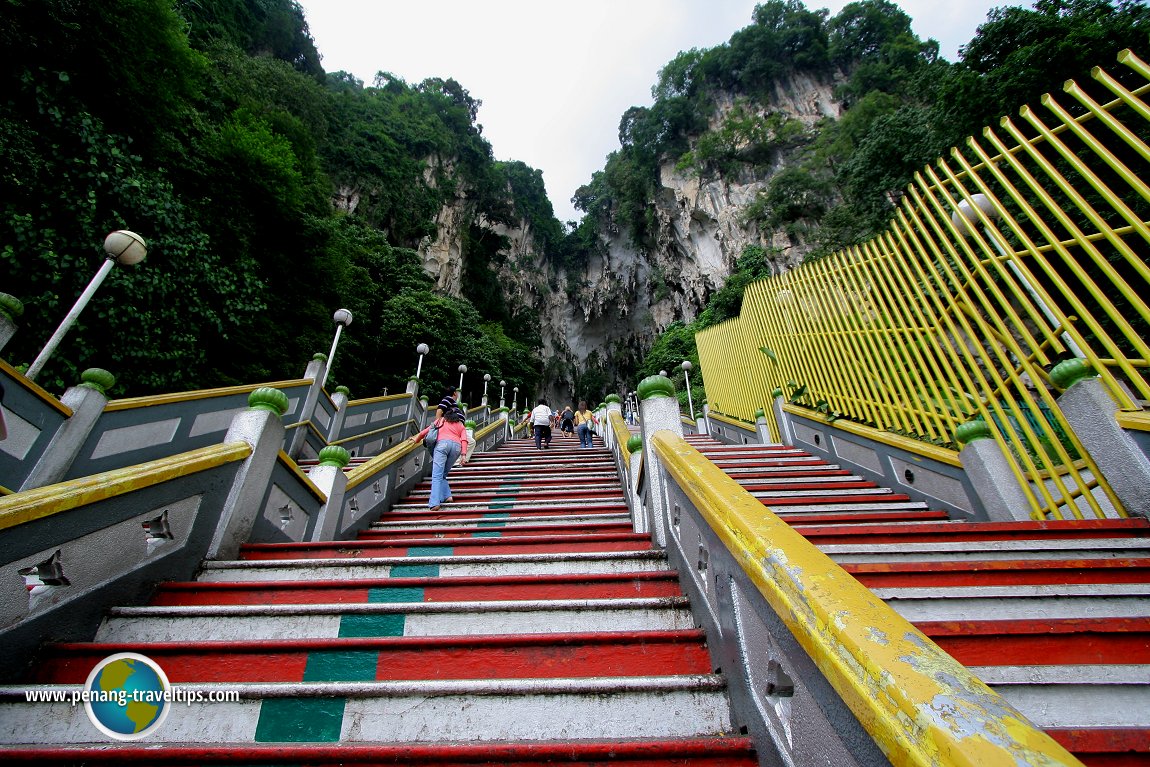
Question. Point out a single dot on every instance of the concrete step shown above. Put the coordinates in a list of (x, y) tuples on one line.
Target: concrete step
[(533, 544), (434, 566), (379, 619), (494, 528), (991, 550), (502, 520), (382, 712), (525, 656), (722, 751), (663, 583), (1077, 600)]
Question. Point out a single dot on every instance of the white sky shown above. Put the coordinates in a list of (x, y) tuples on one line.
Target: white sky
[(555, 78)]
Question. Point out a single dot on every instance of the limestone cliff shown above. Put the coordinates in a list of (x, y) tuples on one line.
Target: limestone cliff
[(627, 294)]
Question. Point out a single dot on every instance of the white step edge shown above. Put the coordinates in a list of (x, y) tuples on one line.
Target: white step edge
[(381, 712)]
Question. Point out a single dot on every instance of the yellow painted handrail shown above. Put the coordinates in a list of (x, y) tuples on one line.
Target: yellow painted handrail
[(622, 434), (18, 508), (368, 469), (920, 705)]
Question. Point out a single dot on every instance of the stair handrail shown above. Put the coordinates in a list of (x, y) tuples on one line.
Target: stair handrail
[(920, 705)]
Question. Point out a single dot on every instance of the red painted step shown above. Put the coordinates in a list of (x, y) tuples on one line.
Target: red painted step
[(535, 544), (797, 518), (1049, 641), (416, 513), (1103, 747), (687, 752), (1014, 572), (974, 531), (439, 589), (504, 531), (525, 656)]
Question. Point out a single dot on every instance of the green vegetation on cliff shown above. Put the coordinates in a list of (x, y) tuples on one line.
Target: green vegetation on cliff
[(903, 107), (210, 128)]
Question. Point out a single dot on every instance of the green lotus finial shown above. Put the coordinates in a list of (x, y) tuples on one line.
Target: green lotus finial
[(319, 357), (470, 425), (95, 378), (1069, 372), (613, 398), (972, 430), (267, 398), (11, 306), (343, 390), (777, 392), (634, 443), (655, 386), (760, 414), (334, 455)]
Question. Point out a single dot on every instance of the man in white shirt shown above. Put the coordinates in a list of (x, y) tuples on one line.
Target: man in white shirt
[(541, 421)]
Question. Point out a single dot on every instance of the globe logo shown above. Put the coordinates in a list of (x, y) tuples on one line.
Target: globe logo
[(127, 696)]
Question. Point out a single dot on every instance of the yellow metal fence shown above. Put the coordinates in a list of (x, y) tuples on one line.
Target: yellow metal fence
[(1024, 248)]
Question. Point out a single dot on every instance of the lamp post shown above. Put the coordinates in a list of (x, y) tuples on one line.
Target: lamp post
[(965, 218), (687, 378), (421, 350), (342, 319), (486, 380), (462, 370), (502, 386), (121, 247), (515, 398)]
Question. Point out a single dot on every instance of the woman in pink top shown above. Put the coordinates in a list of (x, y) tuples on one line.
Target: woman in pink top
[(451, 443)]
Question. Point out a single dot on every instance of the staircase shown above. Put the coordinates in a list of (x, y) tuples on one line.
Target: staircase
[(523, 623), (1052, 615)]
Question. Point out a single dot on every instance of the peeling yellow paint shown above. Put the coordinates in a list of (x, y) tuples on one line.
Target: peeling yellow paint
[(18, 508), (920, 705)]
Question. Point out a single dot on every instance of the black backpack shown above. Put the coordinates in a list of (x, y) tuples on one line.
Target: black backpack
[(455, 415), (568, 415)]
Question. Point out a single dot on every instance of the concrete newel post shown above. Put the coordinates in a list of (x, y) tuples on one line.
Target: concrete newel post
[(990, 473), (339, 399), (503, 416), (640, 522), (786, 433), (261, 426), (87, 401), (761, 427), (316, 370), (614, 405), (10, 309), (1090, 411), (470, 426), (659, 411), (329, 477), (413, 400)]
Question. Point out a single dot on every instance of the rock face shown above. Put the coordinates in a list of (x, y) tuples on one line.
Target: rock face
[(628, 295)]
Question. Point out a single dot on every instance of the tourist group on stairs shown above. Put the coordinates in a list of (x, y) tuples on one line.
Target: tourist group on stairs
[(450, 430)]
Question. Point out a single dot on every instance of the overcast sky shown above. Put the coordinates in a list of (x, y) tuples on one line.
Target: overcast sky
[(555, 77)]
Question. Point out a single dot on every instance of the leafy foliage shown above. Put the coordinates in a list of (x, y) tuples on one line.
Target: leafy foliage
[(210, 128)]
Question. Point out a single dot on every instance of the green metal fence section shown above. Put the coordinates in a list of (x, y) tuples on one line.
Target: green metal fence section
[(1022, 249)]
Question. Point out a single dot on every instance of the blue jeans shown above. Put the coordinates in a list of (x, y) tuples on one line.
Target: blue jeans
[(444, 457), (584, 435)]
